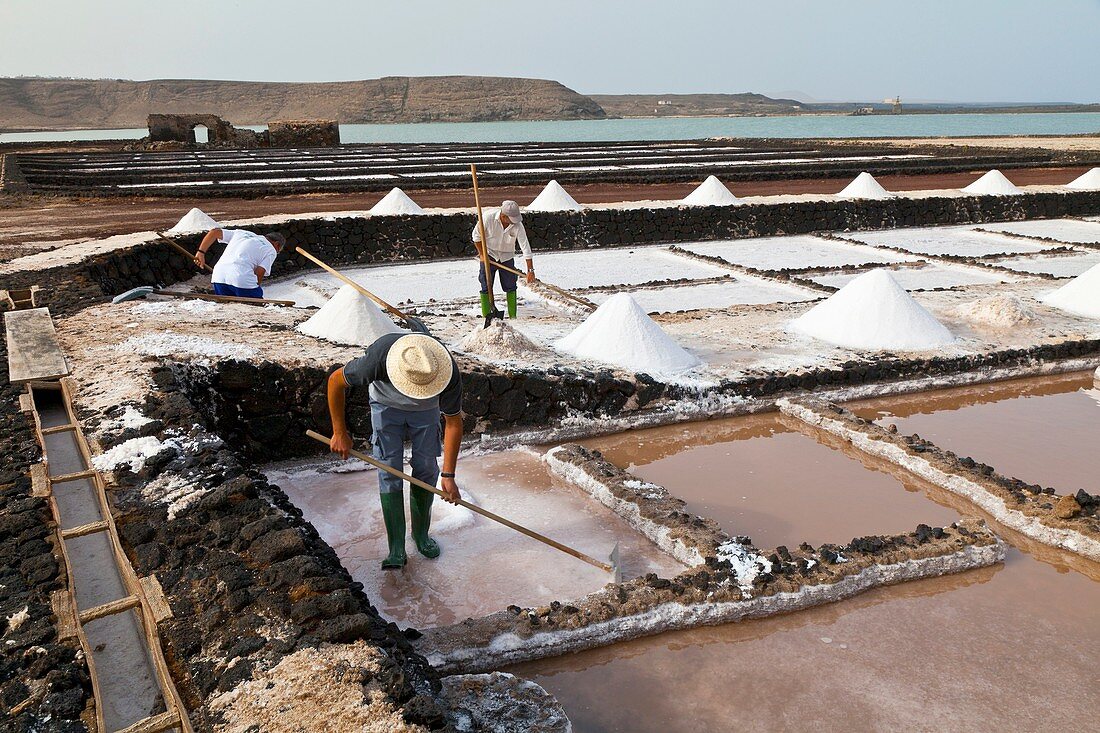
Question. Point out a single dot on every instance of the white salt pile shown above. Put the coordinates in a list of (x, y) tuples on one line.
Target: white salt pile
[(349, 318), (1080, 296), (195, 220), (554, 198), (499, 341), (620, 333), (710, 192), (998, 311), (133, 452), (864, 186), (873, 312), (396, 202), (993, 183), (1090, 181)]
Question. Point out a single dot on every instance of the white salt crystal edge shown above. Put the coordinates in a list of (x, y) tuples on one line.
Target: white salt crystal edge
[(873, 312), (620, 333)]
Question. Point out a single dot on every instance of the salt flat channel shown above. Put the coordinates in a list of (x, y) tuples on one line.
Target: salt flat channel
[(1059, 266), (484, 566), (958, 241), (742, 291), (1070, 231), (620, 266), (927, 277), (793, 252)]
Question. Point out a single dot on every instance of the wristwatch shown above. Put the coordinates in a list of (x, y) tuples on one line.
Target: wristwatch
[(447, 474)]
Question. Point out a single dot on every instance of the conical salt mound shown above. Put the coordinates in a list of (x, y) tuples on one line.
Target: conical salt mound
[(874, 313), (554, 198), (864, 186), (1080, 296), (710, 192), (195, 220), (349, 318), (396, 202), (1088, 182), (620, 333), (993, 183)]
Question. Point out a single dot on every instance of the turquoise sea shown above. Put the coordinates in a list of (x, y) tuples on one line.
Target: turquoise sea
[(680, 128)]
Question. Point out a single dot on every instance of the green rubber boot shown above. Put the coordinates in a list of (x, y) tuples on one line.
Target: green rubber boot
[(393, 512), (512, 309), (420, 506), (486, 306)]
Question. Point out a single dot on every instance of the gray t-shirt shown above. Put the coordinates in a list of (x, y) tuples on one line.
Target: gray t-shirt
[(370, 369)]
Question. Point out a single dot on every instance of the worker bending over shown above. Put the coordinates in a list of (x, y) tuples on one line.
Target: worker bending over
[(244, 264), (411, 379), (503, 230)]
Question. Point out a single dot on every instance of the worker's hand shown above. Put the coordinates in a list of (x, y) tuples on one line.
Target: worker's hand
[(530, 276), (449, 489), (200, 258), (341, 444)]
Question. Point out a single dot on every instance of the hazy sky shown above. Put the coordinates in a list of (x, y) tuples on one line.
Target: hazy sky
[(950, 50)]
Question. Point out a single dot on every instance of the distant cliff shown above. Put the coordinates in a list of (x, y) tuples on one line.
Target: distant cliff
[(695, 105), (32, 103)]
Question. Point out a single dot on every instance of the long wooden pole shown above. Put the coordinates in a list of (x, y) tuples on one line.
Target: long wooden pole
[(472, 507), (224, 298), (190, 255), (484, 240), (362, 291), (555, 288)]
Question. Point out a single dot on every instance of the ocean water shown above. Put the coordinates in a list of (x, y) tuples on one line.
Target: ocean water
[(679, 128)]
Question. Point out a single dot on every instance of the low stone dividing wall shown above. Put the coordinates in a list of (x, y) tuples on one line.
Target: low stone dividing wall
[(1070, 522)]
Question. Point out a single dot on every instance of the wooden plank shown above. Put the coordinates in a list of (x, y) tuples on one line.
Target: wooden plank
[(33, 351), (86, 473), (40, 485), (85, 529), (26, 403), (154, 596), (62, 603), (109, 609), (58, 429), (155, 724)]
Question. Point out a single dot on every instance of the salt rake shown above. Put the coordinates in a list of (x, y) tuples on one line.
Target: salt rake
[(560, 291), (614, 567), (494, 312)]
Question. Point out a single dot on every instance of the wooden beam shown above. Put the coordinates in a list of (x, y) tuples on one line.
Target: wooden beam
[(26, 403), (85, 529), (87, 473), (33, 351), (154, 724), (109, 609), (58, 429), (40, 484), (154, 596), (62, 603)]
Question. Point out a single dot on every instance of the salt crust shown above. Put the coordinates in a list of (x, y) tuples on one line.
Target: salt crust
[(873, 312), (195, 220), (170, 343), (1089, 181), (864, 186), (1001, 311), (396, 202), (710, 192), (133, 453), (194, 306), (1080, 296), (554, 198), (349, 318), (993, 183), (499, 341), (620, 333)]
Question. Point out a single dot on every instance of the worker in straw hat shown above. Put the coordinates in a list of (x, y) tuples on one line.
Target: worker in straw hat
[(411, 378), (503, 230), (244, 264)]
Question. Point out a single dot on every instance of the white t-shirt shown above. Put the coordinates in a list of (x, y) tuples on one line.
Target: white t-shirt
[(244, 252)]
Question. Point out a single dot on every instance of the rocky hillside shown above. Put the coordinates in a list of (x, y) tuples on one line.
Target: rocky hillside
[(694, 105), (28, 103)]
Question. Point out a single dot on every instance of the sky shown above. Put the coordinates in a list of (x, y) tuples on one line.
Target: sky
[(825, 50)]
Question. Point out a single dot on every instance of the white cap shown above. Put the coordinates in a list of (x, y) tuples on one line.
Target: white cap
[(511, 210)]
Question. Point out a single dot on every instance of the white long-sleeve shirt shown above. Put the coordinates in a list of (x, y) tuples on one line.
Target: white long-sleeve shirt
[(502, 242)]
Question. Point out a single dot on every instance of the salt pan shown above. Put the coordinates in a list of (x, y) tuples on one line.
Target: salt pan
[(1080, 296), (396, 202), (554, 198), (864, 186), (993, 183), (349, 318), (620, 333), (1089, 181), (873, 312), (195, 220), (710, 192)]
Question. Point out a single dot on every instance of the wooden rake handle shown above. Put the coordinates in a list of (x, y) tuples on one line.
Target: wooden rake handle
[(472, 507), (555, 288), (362, 291), (190, 255), (484, 242)]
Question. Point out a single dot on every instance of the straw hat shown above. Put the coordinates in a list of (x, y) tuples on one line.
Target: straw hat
[(419, 366)]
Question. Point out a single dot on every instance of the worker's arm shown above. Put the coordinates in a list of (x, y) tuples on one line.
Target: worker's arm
[(260, 272), (452, 440), (525, 247), (207, 242), (337, 389)]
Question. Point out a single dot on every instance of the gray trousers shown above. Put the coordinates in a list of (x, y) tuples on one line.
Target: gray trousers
[(391, 428)]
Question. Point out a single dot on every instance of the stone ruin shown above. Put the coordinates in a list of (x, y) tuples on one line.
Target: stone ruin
[(180, 129)]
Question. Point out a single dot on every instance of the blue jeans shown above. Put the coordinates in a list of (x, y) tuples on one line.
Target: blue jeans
[(507, 279), (223, 289), (391, 427)]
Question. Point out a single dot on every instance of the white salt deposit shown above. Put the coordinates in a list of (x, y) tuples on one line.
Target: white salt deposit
[(873, 312), (864, 186), (167, 307), (746, 564), (349, 318), (499, 341), (170, 343), (195, 220), (998, 311), (1080, 296), (993, 183), (396, 202), (710, 192), (620, 333), (554, 198), (1089, 181), (133, 452), (19, 618)]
